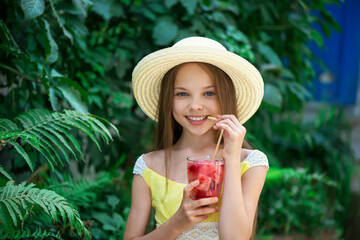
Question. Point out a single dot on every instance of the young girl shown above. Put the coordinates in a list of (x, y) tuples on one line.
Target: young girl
[(179, 87)]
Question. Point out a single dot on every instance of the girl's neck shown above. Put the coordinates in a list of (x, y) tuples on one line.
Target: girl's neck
[(195, 144)]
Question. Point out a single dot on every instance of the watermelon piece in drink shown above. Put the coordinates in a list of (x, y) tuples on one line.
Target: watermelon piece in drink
[(209, 173)]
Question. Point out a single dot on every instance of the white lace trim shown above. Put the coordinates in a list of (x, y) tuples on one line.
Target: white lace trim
[(257, 158), (140, 166), (201, 231)]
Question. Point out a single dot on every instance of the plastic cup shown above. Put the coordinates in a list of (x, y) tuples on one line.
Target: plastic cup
[(209, 173)]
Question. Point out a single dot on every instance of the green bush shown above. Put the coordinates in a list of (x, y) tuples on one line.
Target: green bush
[(295, 201)]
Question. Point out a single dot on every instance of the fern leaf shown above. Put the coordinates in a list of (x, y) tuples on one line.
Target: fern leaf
[(84, 129), (62, 140), (99, 125), (49, 133), (25, 120), (26, 233), (22, 152), (7, 125), (48, 158), (99, 131), (106, 121), (49, 149), (10, 210), (5, 219), (3, 172), (69, 136), (49, 201), (16, 209), (52, 137), (79, 193)]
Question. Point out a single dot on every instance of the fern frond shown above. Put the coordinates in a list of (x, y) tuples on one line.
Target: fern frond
[(26, 233), (17, 200), (49, 133), (7, 125), (79, 193), (3, 172), (22, 152)]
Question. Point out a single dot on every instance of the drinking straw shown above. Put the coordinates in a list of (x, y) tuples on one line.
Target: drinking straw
[(219, 140), (218, 144), (212, 118)]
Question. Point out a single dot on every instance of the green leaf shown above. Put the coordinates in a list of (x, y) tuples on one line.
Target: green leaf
[(108, 9), (7, 124), (53, 99), (32, 8), (22, 152), (56, 77), (123, 100), (299, 90), (272, 96), (113, 200), (81, 126), (170, 3), (51, 47), (317, 37), (164, 32), (6, 37), (60, 127), (73, 98), (269, 54), (189, 5), (3, 172)]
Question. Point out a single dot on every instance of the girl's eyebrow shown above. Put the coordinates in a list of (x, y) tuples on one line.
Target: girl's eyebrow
[(182, 88)]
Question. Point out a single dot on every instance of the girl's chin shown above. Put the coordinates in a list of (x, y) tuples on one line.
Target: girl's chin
[(203, 133)]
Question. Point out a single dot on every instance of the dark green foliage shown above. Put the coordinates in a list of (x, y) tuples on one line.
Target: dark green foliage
[(17, 203), (48, 132), (296, 199), (80, 193), (27, 233)]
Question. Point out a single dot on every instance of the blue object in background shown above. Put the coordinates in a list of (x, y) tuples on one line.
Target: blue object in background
[(341, 55)]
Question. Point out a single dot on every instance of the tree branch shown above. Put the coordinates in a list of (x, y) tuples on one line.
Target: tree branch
[(18, 73)]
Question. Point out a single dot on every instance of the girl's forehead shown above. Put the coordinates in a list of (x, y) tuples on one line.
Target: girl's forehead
[(193, 74)]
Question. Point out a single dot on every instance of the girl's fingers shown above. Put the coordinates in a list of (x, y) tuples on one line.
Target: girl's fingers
[(205, 201), (230, 124), (190, 187), (232, 118), (204, 211)]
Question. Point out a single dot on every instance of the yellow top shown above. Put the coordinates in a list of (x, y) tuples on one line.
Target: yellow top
[(165, 207)]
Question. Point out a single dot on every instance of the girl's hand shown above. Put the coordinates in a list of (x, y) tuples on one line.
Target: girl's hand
[(233, 135), (191, 211)]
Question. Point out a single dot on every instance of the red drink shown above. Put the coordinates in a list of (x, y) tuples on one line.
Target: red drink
[(210, 176)]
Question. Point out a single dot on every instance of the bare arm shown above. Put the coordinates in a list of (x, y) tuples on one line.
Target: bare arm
[(240, 200), (240, 194), (189, 213)]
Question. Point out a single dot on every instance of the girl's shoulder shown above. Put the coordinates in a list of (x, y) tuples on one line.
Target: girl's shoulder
[(155, 160), (245, 153), (254, 157)]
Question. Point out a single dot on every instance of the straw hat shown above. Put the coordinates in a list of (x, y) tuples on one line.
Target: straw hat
[(149, 72)]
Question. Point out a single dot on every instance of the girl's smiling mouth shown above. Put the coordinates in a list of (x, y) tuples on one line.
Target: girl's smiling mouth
[(196, 118)]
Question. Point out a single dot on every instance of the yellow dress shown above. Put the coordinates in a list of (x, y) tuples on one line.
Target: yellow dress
[(166, 206)]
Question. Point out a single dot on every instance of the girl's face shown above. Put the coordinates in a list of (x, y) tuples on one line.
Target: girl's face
[(194, 99)]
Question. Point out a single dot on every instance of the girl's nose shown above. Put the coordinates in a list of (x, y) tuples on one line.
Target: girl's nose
[(197, 105)]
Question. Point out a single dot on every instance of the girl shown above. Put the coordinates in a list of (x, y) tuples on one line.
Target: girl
[(179, 87)]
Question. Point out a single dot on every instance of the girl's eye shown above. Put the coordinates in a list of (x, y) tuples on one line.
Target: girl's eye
[(209, 94), (181, 94)]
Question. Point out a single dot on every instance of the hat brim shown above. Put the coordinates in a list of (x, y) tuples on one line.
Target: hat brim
[(149, 72)]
